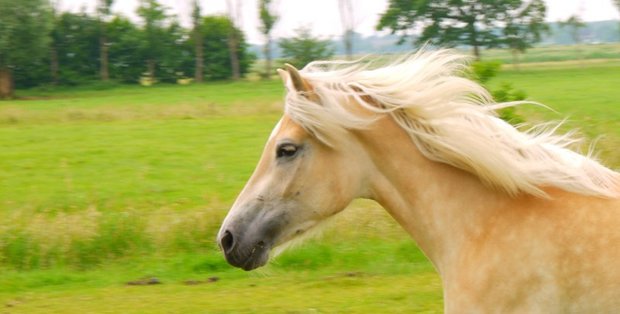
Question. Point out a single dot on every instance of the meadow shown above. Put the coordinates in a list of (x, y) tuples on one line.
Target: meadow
[(101, 188), (557, 53)]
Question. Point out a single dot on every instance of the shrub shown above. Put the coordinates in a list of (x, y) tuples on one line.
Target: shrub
[(305, 48), (483, 72)]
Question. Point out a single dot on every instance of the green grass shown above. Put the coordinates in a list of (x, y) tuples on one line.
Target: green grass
[(101, 187), (587, 96), (324, 276), (558, 53), (273, 293), (127, 164)]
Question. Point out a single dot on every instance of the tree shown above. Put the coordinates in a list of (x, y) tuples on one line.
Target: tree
[(267, 19), (76, 42), (574, 24), (304, 48), (154, 17), (126, 54), (103, 13), (347, 18), (198, 47), (161, 42), (617, 3), (24, 36), (175, 53), (524, 28), (234, 13), (55, 39), (475, 23), (216, 32)]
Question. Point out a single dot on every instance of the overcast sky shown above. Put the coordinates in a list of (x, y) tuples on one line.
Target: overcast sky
[(322, 15)]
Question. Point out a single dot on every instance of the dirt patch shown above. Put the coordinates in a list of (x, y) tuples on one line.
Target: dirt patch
[(147, 281), (193, 282)]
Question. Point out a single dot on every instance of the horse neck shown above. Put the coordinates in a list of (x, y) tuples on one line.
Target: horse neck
[(437, 204)]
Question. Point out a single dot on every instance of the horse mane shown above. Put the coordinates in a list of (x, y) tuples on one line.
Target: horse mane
[(450, 118)]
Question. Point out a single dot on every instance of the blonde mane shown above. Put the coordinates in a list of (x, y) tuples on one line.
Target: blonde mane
[(450, 118)]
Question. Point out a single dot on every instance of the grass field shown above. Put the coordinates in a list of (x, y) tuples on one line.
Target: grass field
[(102, 187), (558, 53)]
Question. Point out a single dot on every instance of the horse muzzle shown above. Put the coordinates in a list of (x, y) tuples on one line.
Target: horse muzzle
[(250, 231), (244, 253)]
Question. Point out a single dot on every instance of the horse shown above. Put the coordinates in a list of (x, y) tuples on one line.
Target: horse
[(513, 220)]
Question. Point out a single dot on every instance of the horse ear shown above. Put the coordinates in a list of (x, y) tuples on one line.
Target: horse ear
[(283, 75), (299, 83), (290, 73)]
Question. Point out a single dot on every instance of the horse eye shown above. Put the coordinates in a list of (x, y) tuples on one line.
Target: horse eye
[(286, 150)]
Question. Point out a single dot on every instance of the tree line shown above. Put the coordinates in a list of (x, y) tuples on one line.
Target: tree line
[(39, 45)]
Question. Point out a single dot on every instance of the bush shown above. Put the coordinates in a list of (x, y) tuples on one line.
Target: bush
[(304, 48), (216, 31), (483, 72)]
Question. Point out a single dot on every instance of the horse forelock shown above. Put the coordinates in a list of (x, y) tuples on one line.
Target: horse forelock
[(451, 119)]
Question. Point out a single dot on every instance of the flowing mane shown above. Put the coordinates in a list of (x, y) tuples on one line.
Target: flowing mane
[(450, 118)]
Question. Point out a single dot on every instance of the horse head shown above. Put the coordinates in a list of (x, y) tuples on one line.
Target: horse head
[(298, 182)]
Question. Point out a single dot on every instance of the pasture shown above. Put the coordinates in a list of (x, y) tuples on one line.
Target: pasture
[(556, 53), (99, 188)]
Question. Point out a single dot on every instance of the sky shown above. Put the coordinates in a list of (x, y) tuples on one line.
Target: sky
[(322, 16)]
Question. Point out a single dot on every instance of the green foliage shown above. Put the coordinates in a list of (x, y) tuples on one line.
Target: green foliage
[(34, 73), (215, 32), (304, 48), (154, 19), (506, 93), (483, 72), (160, 46), (125, 54), (176, 57), (473, 23), (162, 42), (525, 27), (76, 40), (196, 14), (24, 35), (24, 31), (267, 17)]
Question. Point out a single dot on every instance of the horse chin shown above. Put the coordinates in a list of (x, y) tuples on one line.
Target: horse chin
[(256, 261), (251, 258)]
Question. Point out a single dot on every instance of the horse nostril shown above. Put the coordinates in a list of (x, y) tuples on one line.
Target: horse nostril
[(227, 242)]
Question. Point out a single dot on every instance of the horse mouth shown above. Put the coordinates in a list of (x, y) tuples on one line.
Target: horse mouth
[(249, 259), (246, 244), (256, 258)]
